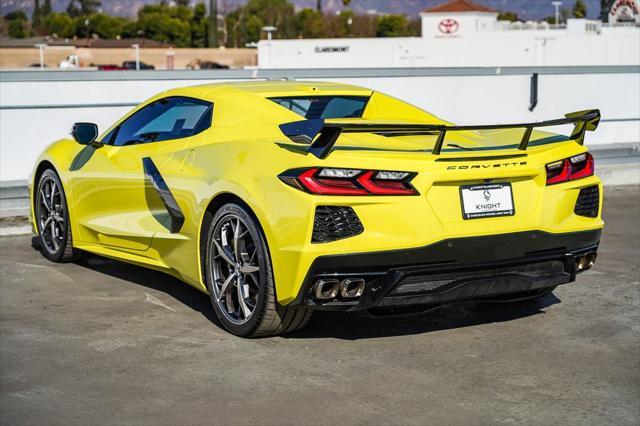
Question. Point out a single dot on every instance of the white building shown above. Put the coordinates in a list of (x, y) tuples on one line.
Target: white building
[(463, 33)]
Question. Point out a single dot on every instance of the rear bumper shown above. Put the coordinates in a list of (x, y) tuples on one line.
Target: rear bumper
[(453, 270)]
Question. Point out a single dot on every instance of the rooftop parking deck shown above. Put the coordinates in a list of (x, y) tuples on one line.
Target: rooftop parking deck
[(103, 342)]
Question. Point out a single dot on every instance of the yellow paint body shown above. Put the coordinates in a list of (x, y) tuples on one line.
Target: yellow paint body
[(244, 151)]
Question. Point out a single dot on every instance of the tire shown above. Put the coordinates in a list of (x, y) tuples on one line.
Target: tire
[(52, 220), (239, 277)]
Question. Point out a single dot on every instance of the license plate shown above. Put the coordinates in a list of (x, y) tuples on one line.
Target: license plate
[(488, 200)]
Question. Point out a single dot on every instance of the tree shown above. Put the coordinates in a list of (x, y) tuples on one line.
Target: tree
[(213, 23), (17, 29), (16, 15), (198, 25), (83, 7), (17, 24), (310, 24), (89, 6), (579, 9), (163, 23), (605, 8), (72, 9), (392, 26), (60, 24), (37, 14), (508, 16), (46, 8), (105, 26)]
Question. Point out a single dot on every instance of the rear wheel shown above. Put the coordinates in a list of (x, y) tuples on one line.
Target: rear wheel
[(52, 220), (239, 277)]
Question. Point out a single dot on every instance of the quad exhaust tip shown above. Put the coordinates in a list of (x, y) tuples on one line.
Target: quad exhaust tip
[(585, 262), (328, 289), (351, 288)]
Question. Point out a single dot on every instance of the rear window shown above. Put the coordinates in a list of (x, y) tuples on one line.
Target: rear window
[(324, 106)]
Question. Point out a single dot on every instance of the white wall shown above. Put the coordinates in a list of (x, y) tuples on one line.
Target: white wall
[(620, 46), (466, 99), (468, 22)]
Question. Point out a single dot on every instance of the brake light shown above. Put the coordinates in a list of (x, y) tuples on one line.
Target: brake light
[(573, 168), (330, 181)]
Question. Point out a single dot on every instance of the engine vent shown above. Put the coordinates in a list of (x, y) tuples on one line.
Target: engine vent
[(334, 223), (588, 202)]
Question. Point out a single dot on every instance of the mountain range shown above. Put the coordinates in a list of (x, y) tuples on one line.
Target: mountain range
[(526, 9)]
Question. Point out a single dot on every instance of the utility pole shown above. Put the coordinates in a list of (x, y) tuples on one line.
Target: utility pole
[(319, 5), (213, 23), (41, 47), (137, 48), (557, 5)]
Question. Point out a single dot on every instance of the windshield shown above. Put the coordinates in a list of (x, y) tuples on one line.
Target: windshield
[(311, 107)]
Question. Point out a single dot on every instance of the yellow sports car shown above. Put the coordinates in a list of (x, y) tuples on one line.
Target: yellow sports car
[(280, 198)]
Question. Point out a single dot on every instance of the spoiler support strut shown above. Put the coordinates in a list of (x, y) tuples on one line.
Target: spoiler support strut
[(321, 136)]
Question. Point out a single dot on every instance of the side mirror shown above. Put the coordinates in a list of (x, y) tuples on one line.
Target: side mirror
[(85, 133)]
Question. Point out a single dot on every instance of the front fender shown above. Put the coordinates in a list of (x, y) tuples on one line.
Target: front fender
[(59, 155)]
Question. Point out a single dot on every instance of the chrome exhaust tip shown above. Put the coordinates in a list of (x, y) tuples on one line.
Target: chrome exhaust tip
[(326, 289), (351, 288), (581, 263), (585, 261)]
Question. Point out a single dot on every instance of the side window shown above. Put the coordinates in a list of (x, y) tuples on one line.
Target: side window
[(108, 138), (164, 119), (324, 106)]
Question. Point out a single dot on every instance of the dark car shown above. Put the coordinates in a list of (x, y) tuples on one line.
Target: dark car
[(110, 67), (208, 65), (131, 65)]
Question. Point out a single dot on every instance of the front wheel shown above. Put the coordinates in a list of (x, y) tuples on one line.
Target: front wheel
[(52, 219), (239, 277)]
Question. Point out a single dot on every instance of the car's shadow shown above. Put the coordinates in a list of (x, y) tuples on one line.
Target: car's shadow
[(155, 280), (354, 326), (338, 325)]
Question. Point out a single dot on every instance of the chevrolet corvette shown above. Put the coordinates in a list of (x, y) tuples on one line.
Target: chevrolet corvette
[(281, 198)]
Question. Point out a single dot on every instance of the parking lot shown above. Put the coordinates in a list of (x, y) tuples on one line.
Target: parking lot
[(104, 342)]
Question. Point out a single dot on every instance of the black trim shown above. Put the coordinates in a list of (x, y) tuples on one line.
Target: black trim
[(153, 175), (451, 256), (588, 202), (533, 94), (485, 158), (306, 130)]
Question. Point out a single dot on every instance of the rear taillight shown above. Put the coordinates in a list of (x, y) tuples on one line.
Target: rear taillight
[(330, 181), (573, 168)]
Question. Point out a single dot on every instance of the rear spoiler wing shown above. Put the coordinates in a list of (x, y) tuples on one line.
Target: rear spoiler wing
[(321, 136)]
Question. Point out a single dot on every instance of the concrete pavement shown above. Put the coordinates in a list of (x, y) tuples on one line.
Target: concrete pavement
[(104, 343)]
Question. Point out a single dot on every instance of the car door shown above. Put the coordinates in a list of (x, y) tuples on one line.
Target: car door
[(119, 195)]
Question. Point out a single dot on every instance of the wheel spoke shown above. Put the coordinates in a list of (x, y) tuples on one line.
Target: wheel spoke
[(255, 280), (245, 309), (58, 218), (236, 239), (225, 286), (225, 255), (229, 302), (247, 269), (53, 235), (44, 201)]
